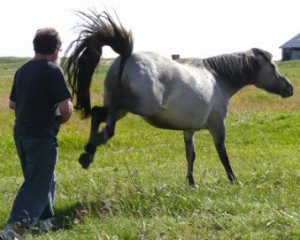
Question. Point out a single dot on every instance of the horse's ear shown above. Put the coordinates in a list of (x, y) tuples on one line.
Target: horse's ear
[(262, 53)]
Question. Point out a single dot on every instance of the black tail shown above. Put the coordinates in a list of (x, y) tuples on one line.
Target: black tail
[(97, 31)]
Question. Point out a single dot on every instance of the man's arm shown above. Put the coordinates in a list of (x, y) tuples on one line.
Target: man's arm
[(65, 109)]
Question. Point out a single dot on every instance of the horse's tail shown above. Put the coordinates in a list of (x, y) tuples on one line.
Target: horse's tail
[(98, 30)]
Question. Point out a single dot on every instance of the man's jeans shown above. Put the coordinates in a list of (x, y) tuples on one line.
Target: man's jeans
[(35, 197)]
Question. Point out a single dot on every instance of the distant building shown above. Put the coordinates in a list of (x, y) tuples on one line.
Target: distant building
[(291, 49), (175, 56)]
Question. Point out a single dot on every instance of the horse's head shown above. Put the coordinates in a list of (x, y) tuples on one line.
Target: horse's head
[(268, 77)]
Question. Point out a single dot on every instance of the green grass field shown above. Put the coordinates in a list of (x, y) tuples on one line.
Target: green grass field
[(136, 187)]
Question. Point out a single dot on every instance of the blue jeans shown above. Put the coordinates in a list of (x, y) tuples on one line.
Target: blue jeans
[(35, 197)]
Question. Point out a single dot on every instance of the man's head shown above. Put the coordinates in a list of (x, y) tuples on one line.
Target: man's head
[(46, 41)]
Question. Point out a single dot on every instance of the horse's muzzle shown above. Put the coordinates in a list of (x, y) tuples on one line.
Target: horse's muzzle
[(288, 91)]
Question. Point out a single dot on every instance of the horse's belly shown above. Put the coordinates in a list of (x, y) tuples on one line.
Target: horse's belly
[(180, 122)]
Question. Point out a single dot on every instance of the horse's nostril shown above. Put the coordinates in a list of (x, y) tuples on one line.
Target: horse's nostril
[(289, 91)]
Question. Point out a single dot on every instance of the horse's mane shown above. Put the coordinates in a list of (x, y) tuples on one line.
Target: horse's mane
[(233, 67)]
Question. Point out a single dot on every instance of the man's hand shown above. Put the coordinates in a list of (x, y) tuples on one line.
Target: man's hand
[(65, 109)]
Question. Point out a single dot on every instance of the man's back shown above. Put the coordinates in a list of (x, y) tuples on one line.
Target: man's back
[(38, 86)]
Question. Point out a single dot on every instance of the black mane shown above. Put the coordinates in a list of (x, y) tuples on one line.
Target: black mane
[(236, 68)]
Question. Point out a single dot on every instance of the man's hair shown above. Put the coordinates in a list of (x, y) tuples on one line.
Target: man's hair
[(46, 40)]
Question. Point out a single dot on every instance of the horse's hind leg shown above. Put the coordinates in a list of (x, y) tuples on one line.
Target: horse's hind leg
[(98, 115), (190, 155)]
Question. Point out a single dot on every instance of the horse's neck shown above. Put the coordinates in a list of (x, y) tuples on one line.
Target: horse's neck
[(232, 71), (232, 87)]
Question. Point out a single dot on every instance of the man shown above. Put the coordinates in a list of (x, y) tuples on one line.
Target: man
[(41, 101)]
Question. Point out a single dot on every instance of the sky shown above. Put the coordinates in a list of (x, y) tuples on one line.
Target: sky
[(191, 28)]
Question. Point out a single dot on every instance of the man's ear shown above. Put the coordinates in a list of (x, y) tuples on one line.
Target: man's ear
[(54, 56)]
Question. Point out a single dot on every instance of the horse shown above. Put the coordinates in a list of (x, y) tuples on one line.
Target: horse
[(186, 94)]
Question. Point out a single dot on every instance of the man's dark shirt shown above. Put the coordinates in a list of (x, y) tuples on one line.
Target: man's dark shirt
[(38, 86)]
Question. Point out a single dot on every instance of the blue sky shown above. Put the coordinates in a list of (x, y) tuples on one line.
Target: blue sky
[(191, 28)]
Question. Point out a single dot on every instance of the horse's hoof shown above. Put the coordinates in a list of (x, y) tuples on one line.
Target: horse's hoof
[(191, 181), (85, 160)]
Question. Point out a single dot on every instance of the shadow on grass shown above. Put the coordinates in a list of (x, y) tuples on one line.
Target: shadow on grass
[(69, 216)]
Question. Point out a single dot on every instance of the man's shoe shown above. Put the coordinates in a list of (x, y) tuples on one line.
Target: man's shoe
[(3, 237), (52, 228), (46, 225), (56, 228)]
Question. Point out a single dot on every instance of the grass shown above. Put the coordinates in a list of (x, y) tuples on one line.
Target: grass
[(136, 187)]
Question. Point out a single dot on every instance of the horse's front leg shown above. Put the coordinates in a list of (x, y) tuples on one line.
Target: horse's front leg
[(98, 115), (190, 155), (218, 134)]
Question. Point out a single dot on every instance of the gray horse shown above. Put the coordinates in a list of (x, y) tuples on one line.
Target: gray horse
[(187, 95)]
